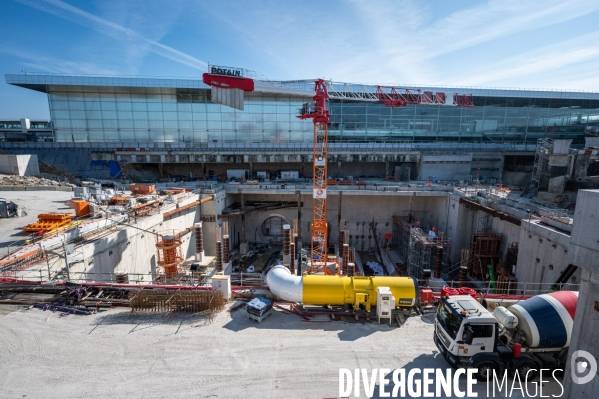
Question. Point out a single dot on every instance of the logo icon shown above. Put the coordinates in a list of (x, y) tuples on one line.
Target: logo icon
[(588, 365)]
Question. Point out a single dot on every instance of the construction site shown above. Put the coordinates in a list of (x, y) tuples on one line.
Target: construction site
[(258, 267)]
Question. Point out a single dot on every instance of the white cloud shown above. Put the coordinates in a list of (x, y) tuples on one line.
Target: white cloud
[(106, 27), (539, 64), (376, 41)]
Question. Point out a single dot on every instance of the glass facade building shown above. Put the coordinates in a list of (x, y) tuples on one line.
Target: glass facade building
[(111, 109)]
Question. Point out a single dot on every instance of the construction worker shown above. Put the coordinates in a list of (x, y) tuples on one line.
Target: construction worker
[(432, 233)]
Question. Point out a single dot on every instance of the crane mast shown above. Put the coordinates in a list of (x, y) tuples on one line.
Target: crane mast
[(317, 111)]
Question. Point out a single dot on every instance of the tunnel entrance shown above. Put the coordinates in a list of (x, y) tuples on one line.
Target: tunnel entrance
[(272, 228)]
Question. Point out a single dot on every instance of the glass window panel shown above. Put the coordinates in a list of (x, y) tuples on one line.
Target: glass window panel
[(198, 108), (170, 116), (141, 124), (184, 107), (123, 106), (125, 114), (156, 124), (138, 106), (140, 115), (109, 106), (111, 135), (169, 106), (213, 125), (126, 123), (62, 123), (185, 124), (168, 124), (78, 114), (78, 124), (199, 124), (76, 105), (59, 104), (110, 123), (127, 135), (96, 135), (59, 114), (186, 116), (154, 107), (79, 136), (108, 114), (143, 135), (94, 124), (155, 116)]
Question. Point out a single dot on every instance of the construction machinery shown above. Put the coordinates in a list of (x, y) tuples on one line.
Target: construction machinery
[(8, 209), (229, 84), (359, 292), (525, 337), (317, 111)]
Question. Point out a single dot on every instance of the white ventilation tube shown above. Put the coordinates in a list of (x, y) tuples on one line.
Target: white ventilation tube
[(284, 284)]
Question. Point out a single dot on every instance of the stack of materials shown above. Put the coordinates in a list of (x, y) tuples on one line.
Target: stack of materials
[(259, 308), (49, 222), (377, 269)]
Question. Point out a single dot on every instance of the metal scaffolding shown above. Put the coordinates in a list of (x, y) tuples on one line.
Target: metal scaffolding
[(422, 252), (544, 149)]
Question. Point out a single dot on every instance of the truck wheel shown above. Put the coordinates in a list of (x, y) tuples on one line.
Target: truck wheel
[(485, 371), (527, 367)]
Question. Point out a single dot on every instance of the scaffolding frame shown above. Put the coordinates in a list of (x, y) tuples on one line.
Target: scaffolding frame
[(485, 249), (543, 150), (422, 251)]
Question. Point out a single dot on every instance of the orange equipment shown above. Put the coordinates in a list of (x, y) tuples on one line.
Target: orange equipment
[(317, 111), (169, 253), (142, 189), (49, 222), (119, 199), (81, 208)]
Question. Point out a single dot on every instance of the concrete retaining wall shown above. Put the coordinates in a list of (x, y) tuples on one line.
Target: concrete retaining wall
[(20, 165), (35, 188)]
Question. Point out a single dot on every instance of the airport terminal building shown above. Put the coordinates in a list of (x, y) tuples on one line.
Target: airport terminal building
[(175, 114)]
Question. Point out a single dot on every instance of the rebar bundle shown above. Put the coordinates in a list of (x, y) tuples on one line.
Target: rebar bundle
[(176, 301), (219, 256), (226, 253), (199, 236)]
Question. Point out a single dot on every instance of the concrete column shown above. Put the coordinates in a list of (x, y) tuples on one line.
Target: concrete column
[(438, 261), (243, 246), (293, 256), (286, 245), (219, 256), (199, 237), (226, 253)]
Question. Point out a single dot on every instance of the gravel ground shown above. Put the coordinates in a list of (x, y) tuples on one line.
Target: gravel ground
[(116, 355)]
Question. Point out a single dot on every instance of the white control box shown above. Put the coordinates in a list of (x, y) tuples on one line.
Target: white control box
[(385, 303)]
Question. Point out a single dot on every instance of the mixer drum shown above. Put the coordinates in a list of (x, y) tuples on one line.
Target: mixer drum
[(547, 319)]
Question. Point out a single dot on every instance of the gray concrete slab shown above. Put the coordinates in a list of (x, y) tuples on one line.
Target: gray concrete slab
[(34, 203), (115, 354)]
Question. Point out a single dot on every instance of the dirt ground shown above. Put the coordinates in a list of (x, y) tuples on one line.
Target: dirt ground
[(116, 355)]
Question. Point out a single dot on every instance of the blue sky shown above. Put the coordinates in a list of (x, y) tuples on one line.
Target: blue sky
[(494, 43)]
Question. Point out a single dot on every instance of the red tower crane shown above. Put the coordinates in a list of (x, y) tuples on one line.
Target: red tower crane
[(317, 111), (229, 84)]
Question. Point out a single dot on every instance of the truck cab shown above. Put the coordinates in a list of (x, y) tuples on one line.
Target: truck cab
[(464, 328)]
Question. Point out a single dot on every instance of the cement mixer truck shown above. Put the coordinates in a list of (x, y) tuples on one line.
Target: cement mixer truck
[(527, 336)]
